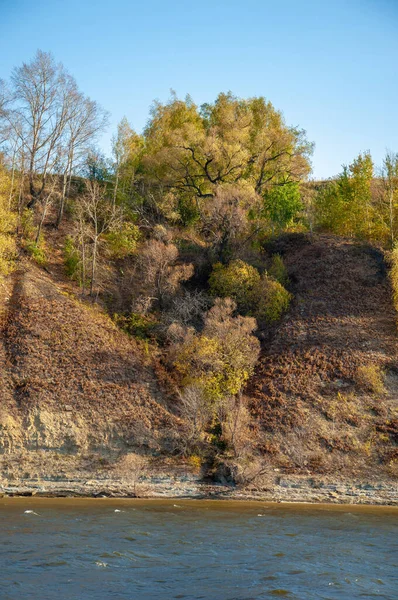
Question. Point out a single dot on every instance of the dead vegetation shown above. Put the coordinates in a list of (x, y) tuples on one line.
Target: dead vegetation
[(325, 389), (71, 380), (322, 399)]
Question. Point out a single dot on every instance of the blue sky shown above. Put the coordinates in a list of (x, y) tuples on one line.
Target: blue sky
[(331, 66)]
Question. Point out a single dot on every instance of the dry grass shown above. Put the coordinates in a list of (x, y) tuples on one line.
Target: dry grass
[(77, 380), (370, 378), (318, 393), (319, 403)]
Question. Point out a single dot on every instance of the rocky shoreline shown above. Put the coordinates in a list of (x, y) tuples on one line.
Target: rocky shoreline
[(293, 489)]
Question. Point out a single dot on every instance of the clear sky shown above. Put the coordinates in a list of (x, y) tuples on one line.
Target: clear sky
[(331, 66)]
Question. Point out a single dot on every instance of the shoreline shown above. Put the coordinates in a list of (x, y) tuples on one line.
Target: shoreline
[(226, 505), (288, 490)]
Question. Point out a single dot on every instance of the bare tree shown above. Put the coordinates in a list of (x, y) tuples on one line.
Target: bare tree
[(161, 275), (196, 412), (51, 124), (225, 221), (87, 121), (236, 423), (97, 218), (41, 106), (120, 150), (4, 125), (46, 202)]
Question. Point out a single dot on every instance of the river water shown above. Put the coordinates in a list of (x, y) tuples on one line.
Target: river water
[(223, 550)]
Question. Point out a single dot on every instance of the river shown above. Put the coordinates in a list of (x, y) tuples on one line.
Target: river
[(76, 549)]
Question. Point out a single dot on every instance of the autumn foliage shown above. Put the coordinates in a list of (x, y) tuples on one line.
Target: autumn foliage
[(241, 293)]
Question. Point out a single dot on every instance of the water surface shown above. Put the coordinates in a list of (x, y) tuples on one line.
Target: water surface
[(132, 549)]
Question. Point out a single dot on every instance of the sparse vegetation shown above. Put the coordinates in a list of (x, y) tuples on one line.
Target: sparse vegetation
[(37, 251), (71, 258), (278, 270)]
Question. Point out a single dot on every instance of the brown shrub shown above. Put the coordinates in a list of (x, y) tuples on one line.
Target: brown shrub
[(130, 467)]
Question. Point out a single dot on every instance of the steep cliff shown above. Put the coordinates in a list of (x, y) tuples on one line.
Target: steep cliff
[(72, 385), (80, 400)]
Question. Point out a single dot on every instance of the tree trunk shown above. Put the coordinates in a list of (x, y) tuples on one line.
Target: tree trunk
[(83, 266), (236, 423), (62, 201), (20, 197), (12, 181), (391, 207), (93, 265), (115, 191), (83, 255), (43, 216)]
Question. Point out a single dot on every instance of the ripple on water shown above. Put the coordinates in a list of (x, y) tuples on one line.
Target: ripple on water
[(50, 563), (209, 550)]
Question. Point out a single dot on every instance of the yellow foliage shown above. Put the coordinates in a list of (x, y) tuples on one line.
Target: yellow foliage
[(124, 242), (236, 280), (394, 275), (195, 461), (271, 300), (370, 377), (221, 359), (7, 226), (260, 296)]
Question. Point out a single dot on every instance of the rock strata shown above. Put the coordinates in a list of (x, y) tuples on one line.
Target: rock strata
[(170, 485)]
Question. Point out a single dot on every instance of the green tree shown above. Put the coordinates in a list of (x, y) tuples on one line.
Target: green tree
[(191, 152), (389, 174), (278, 270), (127, 149), (361, 208), (282, 203), (237, 280), (345, 206)]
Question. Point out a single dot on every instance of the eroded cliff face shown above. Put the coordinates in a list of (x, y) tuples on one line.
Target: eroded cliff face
[(82, 408), (325, 390), (72, 385)]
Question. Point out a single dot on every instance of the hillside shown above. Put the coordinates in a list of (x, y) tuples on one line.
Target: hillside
[(72, 384), (79, 397), (322, 404)]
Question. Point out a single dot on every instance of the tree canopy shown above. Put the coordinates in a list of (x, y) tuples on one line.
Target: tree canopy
[(191, 151)]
